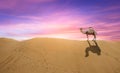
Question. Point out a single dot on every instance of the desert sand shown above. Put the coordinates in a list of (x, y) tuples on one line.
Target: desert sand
[(50, 55)]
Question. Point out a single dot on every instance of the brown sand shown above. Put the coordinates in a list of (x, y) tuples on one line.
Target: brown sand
[(45, 55)]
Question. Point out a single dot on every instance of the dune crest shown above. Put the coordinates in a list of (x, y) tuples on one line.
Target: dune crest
[(49, 55)]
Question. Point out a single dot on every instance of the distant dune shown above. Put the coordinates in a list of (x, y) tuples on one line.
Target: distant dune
[(49, 55)]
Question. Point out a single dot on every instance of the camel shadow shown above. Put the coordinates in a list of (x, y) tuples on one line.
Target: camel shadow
[(93, 48)]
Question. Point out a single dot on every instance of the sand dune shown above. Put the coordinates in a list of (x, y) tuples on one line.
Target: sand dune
[(48, 55)]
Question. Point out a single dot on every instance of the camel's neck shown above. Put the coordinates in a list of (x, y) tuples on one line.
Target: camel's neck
[(82, 31)]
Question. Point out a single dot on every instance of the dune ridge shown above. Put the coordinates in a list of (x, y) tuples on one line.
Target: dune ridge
[(49, 55)]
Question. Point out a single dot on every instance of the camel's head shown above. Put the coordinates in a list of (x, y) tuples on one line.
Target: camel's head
[(81, 28)]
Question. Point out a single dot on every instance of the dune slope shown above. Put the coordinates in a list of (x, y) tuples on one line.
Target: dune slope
[(48, 55)]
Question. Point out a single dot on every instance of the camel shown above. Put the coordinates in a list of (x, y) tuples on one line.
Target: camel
[(90, 31)]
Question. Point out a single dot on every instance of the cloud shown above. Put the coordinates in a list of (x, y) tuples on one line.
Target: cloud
[(39, 1), (8, 4), (24, 7)]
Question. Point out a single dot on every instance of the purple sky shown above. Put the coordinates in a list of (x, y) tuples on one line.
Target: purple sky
[(24, 19)]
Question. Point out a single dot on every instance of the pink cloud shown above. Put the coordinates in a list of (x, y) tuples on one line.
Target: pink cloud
[(115, 7), (24, 6), (112, 16), (98, 9), (39, 1), (8, 4)]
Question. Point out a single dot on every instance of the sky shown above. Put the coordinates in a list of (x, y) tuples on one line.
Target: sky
[(25, 19)]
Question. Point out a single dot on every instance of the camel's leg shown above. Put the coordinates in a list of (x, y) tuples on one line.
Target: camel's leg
[(94, 37), (87, 37)]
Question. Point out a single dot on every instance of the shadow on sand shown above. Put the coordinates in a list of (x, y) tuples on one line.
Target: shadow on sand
[(93, 48)]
